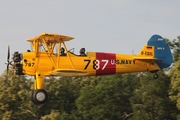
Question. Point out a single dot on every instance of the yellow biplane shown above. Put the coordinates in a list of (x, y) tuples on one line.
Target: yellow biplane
[(46, 59)]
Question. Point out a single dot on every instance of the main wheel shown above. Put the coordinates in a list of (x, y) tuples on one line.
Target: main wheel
[(156, 76), (39, 96)]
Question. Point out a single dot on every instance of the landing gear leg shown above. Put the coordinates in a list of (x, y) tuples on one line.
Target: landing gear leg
[(39, 95)]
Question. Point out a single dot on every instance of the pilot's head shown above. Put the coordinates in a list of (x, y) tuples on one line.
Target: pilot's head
[(62, 49), (82, 50)]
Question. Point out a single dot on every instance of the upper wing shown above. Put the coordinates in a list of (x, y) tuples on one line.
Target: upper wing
[(68, 72), (49, 37)]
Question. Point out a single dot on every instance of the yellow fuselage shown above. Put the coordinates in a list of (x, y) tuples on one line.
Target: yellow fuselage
[(95, 63)]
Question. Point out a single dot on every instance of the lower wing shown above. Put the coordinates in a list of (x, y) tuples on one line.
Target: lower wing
[(68, 72)]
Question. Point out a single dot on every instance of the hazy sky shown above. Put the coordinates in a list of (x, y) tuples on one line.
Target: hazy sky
[(119, 26)]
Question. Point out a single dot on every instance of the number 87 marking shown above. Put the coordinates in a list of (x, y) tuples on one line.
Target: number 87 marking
[(96, 64)]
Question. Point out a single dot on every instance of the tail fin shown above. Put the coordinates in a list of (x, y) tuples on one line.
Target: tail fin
[(157, 48)]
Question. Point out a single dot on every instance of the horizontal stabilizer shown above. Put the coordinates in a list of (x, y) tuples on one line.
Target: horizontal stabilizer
[(145, 58)]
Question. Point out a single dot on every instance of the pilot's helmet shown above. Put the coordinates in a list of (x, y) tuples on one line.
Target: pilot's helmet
[(62, 49), (82, 50)]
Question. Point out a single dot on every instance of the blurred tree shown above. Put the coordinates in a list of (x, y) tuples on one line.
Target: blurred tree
[(63, 92), (175, 86), (175, 47), (14, 97), (109, 99), (151, 101)]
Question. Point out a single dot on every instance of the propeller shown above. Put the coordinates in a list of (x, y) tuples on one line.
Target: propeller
[(8, 56)]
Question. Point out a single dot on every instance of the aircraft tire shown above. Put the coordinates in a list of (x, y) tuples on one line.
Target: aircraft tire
[(156, 76), (38, 96), (31, 96)]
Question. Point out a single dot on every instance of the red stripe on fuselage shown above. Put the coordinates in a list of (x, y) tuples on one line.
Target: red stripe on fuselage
[(107, 63)]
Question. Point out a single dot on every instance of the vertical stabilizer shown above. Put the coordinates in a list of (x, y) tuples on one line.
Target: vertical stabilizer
[(161, 51)]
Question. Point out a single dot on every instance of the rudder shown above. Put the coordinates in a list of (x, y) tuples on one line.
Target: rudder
[(161, 51)]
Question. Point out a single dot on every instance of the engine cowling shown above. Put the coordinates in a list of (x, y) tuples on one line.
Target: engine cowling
[(17, 63)]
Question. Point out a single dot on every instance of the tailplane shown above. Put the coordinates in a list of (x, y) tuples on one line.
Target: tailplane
[(157, 49)]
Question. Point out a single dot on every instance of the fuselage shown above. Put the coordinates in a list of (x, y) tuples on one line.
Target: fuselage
[(95, 63)]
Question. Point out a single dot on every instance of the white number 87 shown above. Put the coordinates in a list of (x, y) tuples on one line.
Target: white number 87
[(97, 64)]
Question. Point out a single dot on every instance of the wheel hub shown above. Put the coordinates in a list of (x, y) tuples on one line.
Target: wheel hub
[(40, 96)]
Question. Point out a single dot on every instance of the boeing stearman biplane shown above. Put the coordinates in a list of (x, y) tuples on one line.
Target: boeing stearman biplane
[(45, 60)]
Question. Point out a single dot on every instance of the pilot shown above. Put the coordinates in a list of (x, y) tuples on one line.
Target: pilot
[(63, 52), (82, 52)]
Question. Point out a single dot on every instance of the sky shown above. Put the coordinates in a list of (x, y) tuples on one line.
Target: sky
[(115, 26)]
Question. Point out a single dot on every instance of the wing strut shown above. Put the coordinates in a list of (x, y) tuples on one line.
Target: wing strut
[(68, 56), (59, 47)]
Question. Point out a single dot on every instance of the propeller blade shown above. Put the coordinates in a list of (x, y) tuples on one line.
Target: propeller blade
[(7, 69), (8, 56)]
